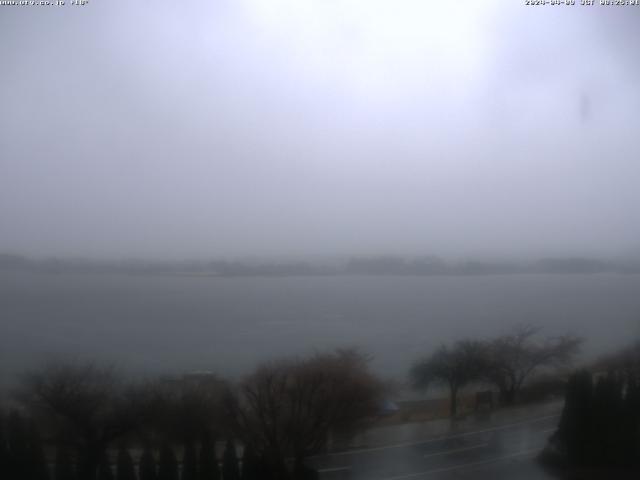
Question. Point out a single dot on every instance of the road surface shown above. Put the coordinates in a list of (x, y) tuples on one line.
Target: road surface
[(497, 452)]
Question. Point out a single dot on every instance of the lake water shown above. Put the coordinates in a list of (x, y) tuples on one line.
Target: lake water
[(228, 325)]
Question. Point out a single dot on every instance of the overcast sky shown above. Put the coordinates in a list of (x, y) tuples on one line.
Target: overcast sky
[(298, 127)]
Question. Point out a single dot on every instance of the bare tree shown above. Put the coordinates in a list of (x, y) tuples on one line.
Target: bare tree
[(515, 357), (453, 367), (87, 404), (290, 407)]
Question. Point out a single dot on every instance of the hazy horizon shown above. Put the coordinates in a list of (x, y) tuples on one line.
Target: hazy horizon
[(320, 259)]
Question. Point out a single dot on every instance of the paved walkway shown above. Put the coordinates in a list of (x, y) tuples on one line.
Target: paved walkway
[(419, 431), (500, 446)]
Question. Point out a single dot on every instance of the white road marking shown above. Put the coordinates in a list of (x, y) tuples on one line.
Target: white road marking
[(334, 469), (456, 450), (464, 465), (440, 439), (526, 433)]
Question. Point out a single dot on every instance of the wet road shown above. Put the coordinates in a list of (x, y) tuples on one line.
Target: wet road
[(501, 452)]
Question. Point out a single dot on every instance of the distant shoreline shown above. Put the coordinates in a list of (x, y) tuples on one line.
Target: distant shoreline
[(361, 266)]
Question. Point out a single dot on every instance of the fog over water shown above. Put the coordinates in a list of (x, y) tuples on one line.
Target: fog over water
[(307, 130), (166, 324)]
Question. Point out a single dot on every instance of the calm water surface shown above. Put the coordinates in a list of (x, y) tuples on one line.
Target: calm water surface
[(170, 323)]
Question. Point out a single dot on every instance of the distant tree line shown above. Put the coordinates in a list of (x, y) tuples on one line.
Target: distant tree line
[(150, 267), (505, 362), (391, 265), (372, 265), (85, 422)]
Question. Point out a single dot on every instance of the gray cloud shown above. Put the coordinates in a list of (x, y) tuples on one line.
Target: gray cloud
[(235, 128)]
